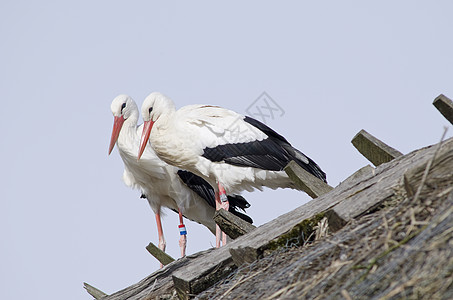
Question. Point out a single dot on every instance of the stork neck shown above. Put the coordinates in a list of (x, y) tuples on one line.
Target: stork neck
[(165, 119), (128, 135)]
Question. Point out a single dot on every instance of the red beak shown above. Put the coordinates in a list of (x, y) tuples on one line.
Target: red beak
[(117, 124), (147, 126)]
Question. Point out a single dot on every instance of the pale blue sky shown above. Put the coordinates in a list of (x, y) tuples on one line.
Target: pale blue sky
[(65, 215)]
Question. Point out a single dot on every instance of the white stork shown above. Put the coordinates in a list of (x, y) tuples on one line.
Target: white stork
[(231, 151), (163, 185)]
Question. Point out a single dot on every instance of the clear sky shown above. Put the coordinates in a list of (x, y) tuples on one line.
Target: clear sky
[(332, 69)]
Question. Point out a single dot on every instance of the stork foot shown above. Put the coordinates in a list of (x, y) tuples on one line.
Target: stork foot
[(183, 239), (218, 234), (182, 244), (224, 238), (223, 198), (162, 244), (221, 202)]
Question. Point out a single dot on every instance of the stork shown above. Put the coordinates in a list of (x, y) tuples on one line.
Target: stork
[(161, 184), (230, 151)]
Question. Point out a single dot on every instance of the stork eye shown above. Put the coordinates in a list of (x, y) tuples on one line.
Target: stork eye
[(123, 106), (150, 110)]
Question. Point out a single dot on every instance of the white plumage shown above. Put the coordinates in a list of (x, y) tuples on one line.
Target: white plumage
[(158, 181), (220, 145), (230, 151)]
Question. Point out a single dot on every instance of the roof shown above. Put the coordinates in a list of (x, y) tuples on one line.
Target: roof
[(383, 233)]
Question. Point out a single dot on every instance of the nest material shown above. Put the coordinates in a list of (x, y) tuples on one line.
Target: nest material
[(402, 249)]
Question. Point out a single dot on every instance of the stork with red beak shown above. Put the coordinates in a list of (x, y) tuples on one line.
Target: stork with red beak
[(162, 185), (230, 151)]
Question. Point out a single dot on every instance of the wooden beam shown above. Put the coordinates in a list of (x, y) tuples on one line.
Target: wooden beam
[(359, 194), (232, 225), (96, 293), (301, 232), (160, 255), (360, 174), (376, 151), (445, 106), (335, 215), (200, 274), (158, 285), (305, 181)]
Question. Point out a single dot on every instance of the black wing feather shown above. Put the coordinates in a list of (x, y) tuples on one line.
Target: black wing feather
[(272, 153), (205, 191), (199, 186)]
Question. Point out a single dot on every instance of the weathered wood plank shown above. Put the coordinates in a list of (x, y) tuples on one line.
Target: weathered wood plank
[(96, 293), (440, 165), (445, 106), (376, 151), (232, 225), (350, 199), (158, 285), (366, 258), (191, 276), (358, 175), (402, 176), (376, 187), (305, 181), (160, 255), (198, 275)]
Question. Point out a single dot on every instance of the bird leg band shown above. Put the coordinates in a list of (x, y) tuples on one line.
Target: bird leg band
[(182, 229), (223, 198)]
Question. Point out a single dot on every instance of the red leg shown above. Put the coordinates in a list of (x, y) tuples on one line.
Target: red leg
[(218, 232), (162, 245), (223, 198), (183, 233), (221, 202), (160, 232), (225, 205)]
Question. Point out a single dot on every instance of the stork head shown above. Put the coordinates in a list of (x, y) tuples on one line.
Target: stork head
[(154, 106), (123, 108)]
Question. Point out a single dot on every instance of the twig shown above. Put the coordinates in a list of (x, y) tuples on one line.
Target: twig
[(283, 290), (321, 229), (154, 284), (400, 288), (414, 222), (389, 233), (232, 287), (428, 165), (346, 295), (96, 293), (241, 280), (160, 255)]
